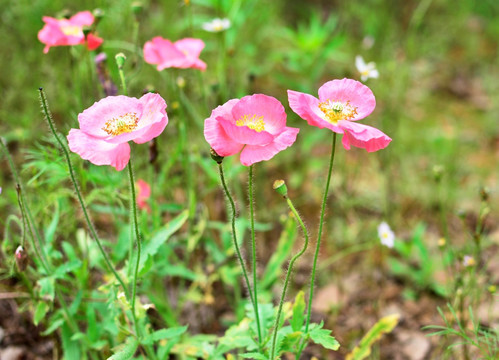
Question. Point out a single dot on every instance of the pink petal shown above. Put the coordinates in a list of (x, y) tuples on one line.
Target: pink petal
[(154, 118), (243, 134), (83, 18), (252, 154), (358, 94), (218, 139), (271, 109), (190, 46), (363, 136), (307, 107), (93, 119), (98, 151), (143, 194), (162, 52)]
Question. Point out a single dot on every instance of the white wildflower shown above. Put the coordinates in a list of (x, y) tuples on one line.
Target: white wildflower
[(216, 25), (386, 235), (366, 70)]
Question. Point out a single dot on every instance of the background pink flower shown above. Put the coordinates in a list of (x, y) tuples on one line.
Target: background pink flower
[(255, 124), (143, 194), (340, 104), (180, 54), (64, 32), (108, 125)]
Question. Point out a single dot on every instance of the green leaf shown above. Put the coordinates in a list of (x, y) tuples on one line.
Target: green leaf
[(126, 351), (164, 334), (70, 348), (323, 337), (384, 326), (298, 312), (161, 236), (41, 310), (284, 247), (254, 355), (66, 267), (47, 289)]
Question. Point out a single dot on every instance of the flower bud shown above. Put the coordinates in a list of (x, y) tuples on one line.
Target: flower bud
[(137, 7), (120, 60), (98, 14), (438, 171), (484, 193), (21, 258), (280, 187), (218, 159)]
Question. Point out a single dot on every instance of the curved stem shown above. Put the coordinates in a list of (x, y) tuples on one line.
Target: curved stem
[(133, 208), (253, 251), (234, 237), (288, 274), (90, 225), (317, 247)]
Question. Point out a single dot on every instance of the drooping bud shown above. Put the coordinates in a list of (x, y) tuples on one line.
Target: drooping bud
[(218, 159), (120, 60), (280, 187), (21, 258)]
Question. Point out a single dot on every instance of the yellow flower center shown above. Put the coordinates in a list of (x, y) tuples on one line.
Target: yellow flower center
[(122, 124), (71, 30), (252, 121), (337, 110)]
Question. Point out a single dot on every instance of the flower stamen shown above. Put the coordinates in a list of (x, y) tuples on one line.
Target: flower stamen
[(252, 121), (337, 110), (122, 124), (71, 30)]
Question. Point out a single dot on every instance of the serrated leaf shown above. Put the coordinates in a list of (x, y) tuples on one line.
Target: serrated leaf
[(163, 235), (323, 337), (126, 351), (298, 312), (164, 334), (41, 310), (384, 326)]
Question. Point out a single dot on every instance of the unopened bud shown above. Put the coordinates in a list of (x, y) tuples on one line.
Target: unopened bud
[(181, 82), (86, 31), (137, 7), (441, 242), (21, 258), (218, 159), (484, 193), (280, 187), (438, 171), (120, 60), (98, 14)]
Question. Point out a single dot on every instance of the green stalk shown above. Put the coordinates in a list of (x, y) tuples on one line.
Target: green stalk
[(253, 251), (90, 225), (234, 236), (317, 248), (288, 274)]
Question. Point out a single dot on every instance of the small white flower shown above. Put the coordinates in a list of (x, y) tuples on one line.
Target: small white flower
[(216, 25), (468, 261), (366, 70), (386, 235)]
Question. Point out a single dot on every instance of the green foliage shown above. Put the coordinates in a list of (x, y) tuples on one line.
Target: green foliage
[(485, 340)]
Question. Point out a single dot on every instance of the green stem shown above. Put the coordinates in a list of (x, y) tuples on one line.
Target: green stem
[(253, 251), (234, 236), (317, 247), (288, 274), (135, 225), (123, 81), (90, 225)]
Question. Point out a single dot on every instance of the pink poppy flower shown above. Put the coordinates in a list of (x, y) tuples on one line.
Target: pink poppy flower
[(255, 124), (340, 104), (108, 125), (180, 54), (143, 194), (64, 32)]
